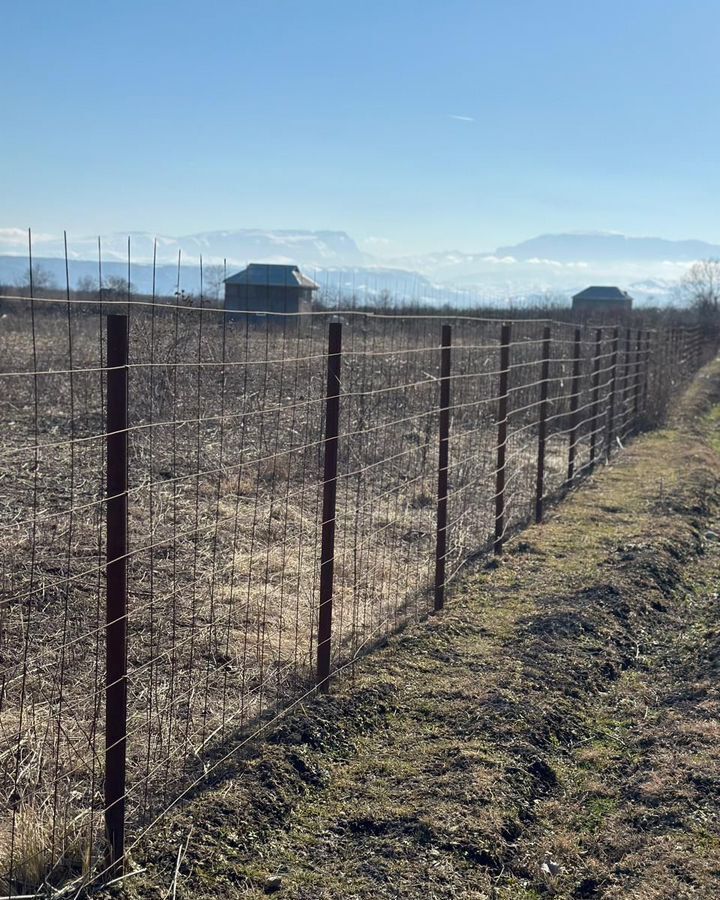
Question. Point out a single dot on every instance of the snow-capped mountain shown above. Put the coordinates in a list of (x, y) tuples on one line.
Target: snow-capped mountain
[(598, 246), (568, 262), (547, 264), (239, 246), (567, 258)]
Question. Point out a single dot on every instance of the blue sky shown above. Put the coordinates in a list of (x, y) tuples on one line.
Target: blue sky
[(177, 117)]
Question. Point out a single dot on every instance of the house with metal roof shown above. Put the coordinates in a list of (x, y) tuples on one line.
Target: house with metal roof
[(598, 299), (267, 288)]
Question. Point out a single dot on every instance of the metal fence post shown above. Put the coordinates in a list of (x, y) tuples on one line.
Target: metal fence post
[(595, 400), (443, 460), (574, 403), (502, 430), (638, 363), (626, 380), (678, 349), (692, 352), (613, 392), (327, 552), (681, 352), (646, 372), (542, 423), (668, 360), (116, 596)]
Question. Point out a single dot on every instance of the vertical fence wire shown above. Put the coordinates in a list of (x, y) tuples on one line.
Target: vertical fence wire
[(241, 445)]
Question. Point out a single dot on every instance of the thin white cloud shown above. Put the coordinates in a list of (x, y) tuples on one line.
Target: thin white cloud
[(461, 118), (537, 261), (504, 260), (678, 264)]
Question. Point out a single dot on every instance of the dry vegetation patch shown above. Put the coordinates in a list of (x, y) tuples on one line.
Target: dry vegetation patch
[(552, 734), (225, 485)]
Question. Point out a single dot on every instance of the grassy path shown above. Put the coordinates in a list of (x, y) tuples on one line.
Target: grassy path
[(553, 733)]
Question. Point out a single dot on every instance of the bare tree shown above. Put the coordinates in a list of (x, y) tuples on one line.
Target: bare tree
[(214, 280), (115, 287), (552, 298), (42, 279), (87, 285), (700, 288)]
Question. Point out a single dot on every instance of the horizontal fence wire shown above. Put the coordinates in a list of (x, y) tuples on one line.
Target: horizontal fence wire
[(228, 496)]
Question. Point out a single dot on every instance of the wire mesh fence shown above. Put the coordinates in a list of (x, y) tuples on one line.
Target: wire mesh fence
[(206, 518)]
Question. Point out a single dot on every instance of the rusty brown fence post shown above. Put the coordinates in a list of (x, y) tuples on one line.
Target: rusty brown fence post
[(668, 360), (327, 552), (116, 592), (542, 423), (574, 403), (682, 352), (595, 398), (646, 372), (638, 370), (626, 381), (443, 460), (502, 429), (613, 393)]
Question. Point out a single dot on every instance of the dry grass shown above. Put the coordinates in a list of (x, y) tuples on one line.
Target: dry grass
[(47, 849), (225, 498), (551, 735)]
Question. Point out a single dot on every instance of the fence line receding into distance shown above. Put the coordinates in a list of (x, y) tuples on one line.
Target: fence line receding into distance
[(207, 518)]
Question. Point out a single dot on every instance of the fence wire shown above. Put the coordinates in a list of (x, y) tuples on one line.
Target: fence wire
[(225, 495)]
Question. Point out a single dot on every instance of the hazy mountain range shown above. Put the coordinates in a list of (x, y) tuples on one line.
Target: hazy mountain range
[(552, 263)]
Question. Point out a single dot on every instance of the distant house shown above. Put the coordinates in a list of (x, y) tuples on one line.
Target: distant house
[(265, 288), (597, 300)]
